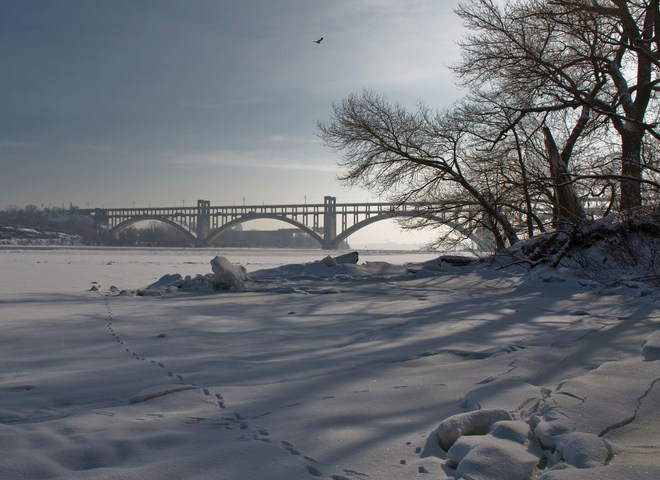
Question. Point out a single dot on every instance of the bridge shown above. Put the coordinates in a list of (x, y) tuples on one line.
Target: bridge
[(330, 223)]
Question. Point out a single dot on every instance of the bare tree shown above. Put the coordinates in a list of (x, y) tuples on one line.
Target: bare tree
[(561, 108), (566, 54), (417, 155)]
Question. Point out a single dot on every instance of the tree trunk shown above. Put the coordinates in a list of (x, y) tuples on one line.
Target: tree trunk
[(631, 169), (569, 210)]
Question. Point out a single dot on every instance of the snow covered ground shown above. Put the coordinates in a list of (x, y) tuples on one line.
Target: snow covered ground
[(318, 370)]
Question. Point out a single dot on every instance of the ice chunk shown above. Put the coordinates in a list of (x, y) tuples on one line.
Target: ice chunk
[(227, 275), (351, 257), (167, 280), (329, 261)]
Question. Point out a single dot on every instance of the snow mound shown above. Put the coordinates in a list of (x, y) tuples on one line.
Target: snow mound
[(478, 422), (491, 458), (651, 347), (579, 427), (514, 430), (584, 450), (505, 453)]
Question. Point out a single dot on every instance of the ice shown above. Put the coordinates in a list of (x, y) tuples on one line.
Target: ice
[(227, 275)]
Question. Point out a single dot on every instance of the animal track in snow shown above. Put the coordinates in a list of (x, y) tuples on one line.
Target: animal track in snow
[(170, 373), (354, 473), (290, 448), (21, 388), (315, 472)]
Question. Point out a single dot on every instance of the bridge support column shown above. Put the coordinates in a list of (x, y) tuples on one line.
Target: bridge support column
[(203, 223), (329, 223)]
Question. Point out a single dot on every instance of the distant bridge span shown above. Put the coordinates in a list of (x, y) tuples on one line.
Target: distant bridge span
[(321, 221)]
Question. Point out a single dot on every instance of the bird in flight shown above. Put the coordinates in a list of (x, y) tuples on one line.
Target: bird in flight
[(319, 40)]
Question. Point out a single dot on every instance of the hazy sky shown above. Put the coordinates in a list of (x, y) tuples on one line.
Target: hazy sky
[(161, 102)]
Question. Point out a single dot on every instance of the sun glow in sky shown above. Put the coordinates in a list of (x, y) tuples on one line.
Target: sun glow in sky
[(162, 102)]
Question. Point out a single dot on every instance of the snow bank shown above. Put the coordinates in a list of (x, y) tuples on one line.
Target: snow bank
[(229, 276), (504, 453)]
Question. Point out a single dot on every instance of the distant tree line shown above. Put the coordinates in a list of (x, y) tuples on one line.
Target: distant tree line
[(562, 106), (69, 221)]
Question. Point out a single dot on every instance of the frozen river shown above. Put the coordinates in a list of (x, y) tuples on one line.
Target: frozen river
[(336, 376), (142, 266)]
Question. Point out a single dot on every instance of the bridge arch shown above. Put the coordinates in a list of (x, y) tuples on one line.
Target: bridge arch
[(261, 216), (394, 214), (127, 223)]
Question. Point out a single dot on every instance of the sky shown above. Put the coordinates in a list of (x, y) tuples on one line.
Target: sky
[(109, 102), (115, 103)]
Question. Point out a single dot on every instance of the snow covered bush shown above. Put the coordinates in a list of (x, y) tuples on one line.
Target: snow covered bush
[(627, 243)]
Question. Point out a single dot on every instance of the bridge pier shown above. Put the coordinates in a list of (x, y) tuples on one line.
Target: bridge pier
[(329, 223), (203, 223)]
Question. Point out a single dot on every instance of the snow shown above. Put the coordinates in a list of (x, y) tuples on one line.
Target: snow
[(651, 347), (33, 236), (126, 364), (477, 422)]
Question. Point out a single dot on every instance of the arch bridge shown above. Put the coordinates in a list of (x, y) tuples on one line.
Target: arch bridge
[(329, 222)]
